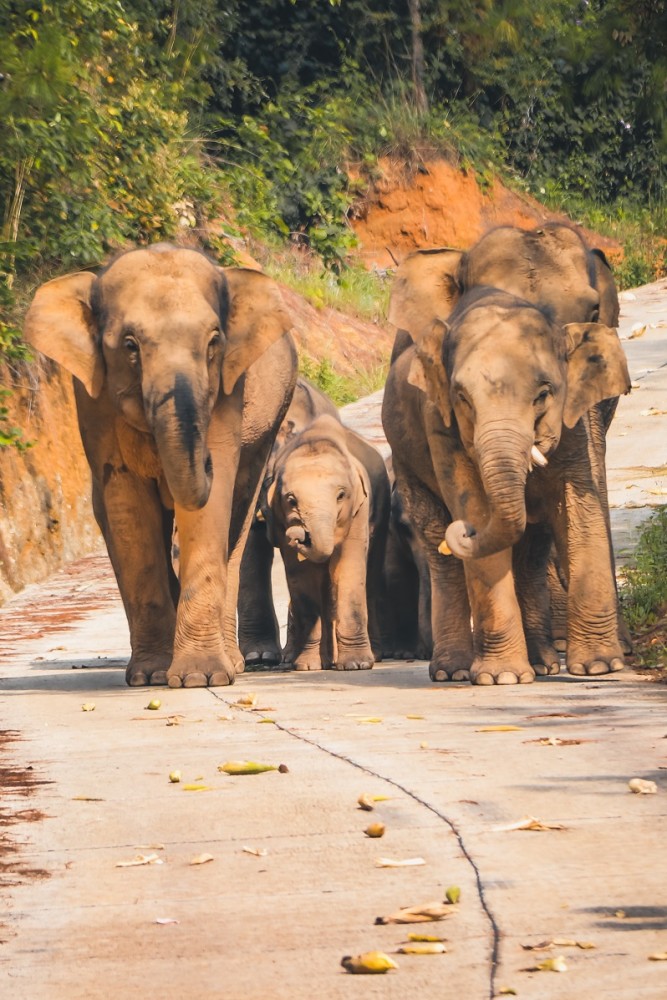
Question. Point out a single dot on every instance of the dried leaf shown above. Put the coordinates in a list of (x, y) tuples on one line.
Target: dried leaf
[(540, 946), (557, 964), (653, 411), (507, 991), (245, 767), (370, 962), (637, 330), (86, 798), (556, 741), (640, 786), (565, 943), (528, 823), (394, 863), (258, 852), (88, 706), (165, 920), (499, 729), (197, 788), (264, 721), (375, 830), (659, 956), (417, 914), (414, 716), (414, 936), (202, 859), (422, 948), (174, 720), (141, 859), (246, 701)]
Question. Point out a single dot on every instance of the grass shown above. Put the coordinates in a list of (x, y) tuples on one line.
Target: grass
[(342, 389), (644, 593)]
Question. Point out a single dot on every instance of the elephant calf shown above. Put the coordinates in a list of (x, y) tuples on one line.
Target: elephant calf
[(328, 511)]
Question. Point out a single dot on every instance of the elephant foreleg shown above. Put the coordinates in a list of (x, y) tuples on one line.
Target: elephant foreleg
[(305, 583), (259, 634), (348, 577), (530, 560)]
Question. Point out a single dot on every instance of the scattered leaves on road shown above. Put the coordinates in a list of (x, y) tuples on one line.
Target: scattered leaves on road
[(368, 963), (528, 823), (417, 914), (640, 786), (558, 943), (415, 936), (140, 859)]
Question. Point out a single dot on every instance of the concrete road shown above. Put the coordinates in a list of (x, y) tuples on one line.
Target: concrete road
[(294, 882)]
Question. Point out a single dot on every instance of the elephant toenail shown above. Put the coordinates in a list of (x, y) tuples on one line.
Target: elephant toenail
[(195, 680), (461, 675), (598, 667), (617, 663), (576, 668), (485, 679), (508, 677), (174, 682), (440, 675)]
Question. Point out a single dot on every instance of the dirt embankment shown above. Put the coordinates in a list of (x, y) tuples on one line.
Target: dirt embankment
[(45, 508)]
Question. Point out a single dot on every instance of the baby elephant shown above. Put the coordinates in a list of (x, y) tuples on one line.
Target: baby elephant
[(329, 513)]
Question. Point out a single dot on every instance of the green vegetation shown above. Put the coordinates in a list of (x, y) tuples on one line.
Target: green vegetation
[(128, 121), (342, 389), (644, 591)]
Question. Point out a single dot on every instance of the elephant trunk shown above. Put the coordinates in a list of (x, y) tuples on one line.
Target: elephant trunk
[(503, 461), (180, 425), (314, 538)]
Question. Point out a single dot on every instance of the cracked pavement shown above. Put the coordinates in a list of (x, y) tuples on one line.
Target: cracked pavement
[(85, 790)]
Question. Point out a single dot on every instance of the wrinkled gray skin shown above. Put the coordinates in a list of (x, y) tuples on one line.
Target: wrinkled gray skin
[(259, 634), (462, 411), (329, 512), (407, 620), (183, 374)]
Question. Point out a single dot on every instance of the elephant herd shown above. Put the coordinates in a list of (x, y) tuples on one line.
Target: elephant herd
[(484, 545)]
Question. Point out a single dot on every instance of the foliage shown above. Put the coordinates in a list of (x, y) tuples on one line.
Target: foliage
[(342, 389), (644, 589)]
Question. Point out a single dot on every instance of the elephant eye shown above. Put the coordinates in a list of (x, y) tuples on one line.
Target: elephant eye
[(463, 399), (543, 394), (213, 345), (132, 348), (291, 501), (341, 495)]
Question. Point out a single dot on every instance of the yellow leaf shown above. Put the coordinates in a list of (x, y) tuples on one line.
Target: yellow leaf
[(258, 852), (141, 859), (370, 962), (529, 823), (88, 706), (417, 914), (414, 716), (553, 965), (197, 788), (499, 729), (413, 936), (201, 859), (245, 767), (660, 956), (246, 700)]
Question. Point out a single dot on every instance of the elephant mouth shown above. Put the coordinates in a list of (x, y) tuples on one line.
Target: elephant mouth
[(299, 539)]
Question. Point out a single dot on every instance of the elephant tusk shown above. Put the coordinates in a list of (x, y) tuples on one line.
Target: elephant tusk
[(537, 457), (444, 549)]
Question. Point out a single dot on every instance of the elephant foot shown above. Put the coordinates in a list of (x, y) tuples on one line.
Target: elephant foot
[(308, 663), (543, 658), (144, 670), (487, 672), (200, 670), (596, 667), (258, 659), (354, 664), (354, 658), (456, 668)]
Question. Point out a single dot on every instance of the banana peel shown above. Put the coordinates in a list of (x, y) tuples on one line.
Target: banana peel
[(422, 948), (369, 963), (245, 767)]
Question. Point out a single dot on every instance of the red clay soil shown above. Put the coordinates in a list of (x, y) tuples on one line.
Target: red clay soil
[(441, 205)]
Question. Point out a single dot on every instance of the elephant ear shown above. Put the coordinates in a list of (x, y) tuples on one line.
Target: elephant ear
[(597, 368), (426, 288), (257, 319), (427, 371), (60, 324), (364, 486)]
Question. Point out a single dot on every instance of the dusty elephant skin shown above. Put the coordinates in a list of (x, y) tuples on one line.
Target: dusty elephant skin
[(183, 374), (259, 635), (329, 511), (487, 417)]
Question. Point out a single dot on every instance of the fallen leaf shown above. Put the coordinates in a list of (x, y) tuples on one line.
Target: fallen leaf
[(553, 965), (394, 863), (86, 798), (264, 721), (540, 946), (414, 936), (375, 830), (653, 411), (88, 706), (246, 701), (141, 859), (201, 859), (417, 914), (245, 767), (637, 330), (414, 716), (621, 914), (556, 741), (507, 991), (174, 720), (554, 715), (499, 729), (528, 823), (363, 719), (659, 956), (640, 786), (258, 852), (422, 948), (658, 493), (165, 920), (197, 788), (565, 943), (370, 962)]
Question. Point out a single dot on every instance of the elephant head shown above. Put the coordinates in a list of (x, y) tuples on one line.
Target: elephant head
[(318, 490), (509, 379), (164, 333)]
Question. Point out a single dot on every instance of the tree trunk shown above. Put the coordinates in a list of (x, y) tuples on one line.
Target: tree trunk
[(418, 64)]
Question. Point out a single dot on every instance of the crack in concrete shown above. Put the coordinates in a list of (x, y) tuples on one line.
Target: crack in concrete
[(495, 930)]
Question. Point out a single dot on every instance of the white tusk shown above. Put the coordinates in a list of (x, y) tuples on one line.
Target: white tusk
[(537, 456)]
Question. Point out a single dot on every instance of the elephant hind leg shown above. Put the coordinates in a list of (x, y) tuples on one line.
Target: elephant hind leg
[(531, 558)]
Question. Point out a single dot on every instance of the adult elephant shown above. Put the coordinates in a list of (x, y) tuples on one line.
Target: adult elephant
[(183, 374), (259, 633), (487, 419)]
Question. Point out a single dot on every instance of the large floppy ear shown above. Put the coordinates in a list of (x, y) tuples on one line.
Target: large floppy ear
[(427, 371), (363, 486), (597, 368), (60, 324), (425, 288), (257, 318)]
